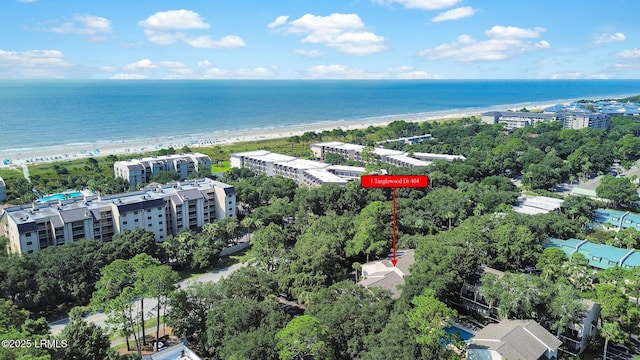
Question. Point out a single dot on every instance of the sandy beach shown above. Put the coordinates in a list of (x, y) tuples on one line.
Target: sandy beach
[(19, 157)]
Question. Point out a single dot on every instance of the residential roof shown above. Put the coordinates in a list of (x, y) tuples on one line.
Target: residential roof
[(515, 339), (386, 275), (325, 176), (532, 205), (409, 160), (599, 255), (618, 218)]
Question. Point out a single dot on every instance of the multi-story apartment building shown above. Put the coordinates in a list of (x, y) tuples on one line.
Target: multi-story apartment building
[(568, 119), (3, 190), (162, 209), (393, 157), (307, 172), (581, 120), (139, 171)]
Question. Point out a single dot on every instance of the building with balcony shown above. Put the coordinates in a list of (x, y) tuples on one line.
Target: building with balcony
[(3, 190), (139, 171), (307, 172), (568, 119), (388, 156), (161, 209)]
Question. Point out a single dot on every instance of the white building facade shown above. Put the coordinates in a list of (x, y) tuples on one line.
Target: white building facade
[(139, 171)]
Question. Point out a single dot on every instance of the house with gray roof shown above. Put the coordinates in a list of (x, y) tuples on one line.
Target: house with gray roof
[(513, 339), (383, 274)]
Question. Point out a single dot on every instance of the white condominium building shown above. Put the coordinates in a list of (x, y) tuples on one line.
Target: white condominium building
[(307, 172), (139, 171), (568, 119), (393, 157), (162, 209)]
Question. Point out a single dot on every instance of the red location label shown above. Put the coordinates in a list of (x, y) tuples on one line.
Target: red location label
[(394, 181)]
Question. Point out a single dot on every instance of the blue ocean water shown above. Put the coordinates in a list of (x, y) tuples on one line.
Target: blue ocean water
[(37, 113)]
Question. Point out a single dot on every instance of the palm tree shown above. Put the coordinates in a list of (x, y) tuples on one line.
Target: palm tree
[(450, 215), (357, 266)]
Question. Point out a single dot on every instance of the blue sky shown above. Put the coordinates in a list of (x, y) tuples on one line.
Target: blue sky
[(320, 39)]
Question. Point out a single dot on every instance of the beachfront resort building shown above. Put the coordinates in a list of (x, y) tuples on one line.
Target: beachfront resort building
[(609, 107), (393, 157), (308, 172), (3, 190), (139, 171), (162, 209), (568, 119)]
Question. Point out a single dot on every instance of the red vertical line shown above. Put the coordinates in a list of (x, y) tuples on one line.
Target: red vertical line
[(394, 225)]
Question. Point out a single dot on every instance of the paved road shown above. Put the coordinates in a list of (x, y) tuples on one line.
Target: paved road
[(99, 318)]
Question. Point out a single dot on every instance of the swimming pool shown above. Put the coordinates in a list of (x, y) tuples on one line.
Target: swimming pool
[(465, 335)]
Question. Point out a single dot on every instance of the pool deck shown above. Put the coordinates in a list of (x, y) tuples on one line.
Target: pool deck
[(467, 325)]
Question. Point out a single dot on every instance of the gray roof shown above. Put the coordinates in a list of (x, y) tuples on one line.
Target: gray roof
[(190, 194), (72, 215), (387, 280), (515, 339)]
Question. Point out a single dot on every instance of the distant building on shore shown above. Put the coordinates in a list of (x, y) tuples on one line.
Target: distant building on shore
[(393, 157), (608, 107), (139, 171), (3, 190), (568, 119), (162, 209)]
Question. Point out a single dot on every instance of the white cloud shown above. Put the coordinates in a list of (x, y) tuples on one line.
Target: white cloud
[(174, 69), (206, 42), (144, 64), (455, 14), (85, 24), (27, 1), (338, 71), (308, 53), (205, 63), (37, 64), (343, 32), (280, 20), (214, 73), (512, 32), (609, 38), (422, 4), (504, 42), (628, 54), (169, 27), (174, 20), (418, 74), (255, 73), (129, 77), (578, 75)]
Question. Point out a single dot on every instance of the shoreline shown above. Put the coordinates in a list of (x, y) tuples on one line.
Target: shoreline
[(54, 153)]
